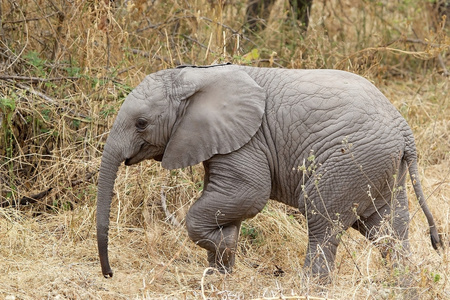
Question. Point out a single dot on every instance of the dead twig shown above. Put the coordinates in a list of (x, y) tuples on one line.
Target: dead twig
[(157, 275), (441, 62), (86, 178), (206, 272), (125, 70), (171, 20), (146, 54), (445, 72), (61, 18), (197, 42), (169, 216), (294, 298), (31, 19), (422, 42)]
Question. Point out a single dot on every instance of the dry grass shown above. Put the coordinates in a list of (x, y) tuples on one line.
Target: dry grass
[(82, 57)]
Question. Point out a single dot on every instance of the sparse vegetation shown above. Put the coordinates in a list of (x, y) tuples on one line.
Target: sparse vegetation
[(65, 68)]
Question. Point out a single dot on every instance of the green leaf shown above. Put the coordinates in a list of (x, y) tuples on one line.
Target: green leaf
[(7, 105), (251, 56)]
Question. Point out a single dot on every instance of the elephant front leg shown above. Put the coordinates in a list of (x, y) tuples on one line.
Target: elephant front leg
[(223, 256), (214, 225), (233, 191)]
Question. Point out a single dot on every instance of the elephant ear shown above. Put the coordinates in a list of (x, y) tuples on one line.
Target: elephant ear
[(221, 109)]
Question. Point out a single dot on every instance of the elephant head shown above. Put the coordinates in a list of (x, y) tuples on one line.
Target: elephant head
[(180, 117)]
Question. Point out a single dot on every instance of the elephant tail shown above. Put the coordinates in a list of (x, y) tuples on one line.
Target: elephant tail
[(411, 160)]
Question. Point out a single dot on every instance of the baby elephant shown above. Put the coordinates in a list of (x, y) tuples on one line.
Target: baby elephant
[(325, 141)]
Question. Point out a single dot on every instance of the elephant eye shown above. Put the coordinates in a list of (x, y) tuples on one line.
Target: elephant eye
[(141, 123)]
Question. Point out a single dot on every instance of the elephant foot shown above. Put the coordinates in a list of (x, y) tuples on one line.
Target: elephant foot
[(222, 270), (222, 263)]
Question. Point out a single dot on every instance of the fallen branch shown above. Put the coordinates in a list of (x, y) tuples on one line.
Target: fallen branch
[(34, 198), (27, 200), (47, 98), (39, 196), (34, 92), (35, 79)]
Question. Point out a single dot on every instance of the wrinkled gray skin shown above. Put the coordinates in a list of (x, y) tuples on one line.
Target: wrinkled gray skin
[(324, 141)]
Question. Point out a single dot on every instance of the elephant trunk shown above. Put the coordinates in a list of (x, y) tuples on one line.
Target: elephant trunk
[(111, 159)]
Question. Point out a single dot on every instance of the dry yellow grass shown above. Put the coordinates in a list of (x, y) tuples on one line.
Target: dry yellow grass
[(94, 54)]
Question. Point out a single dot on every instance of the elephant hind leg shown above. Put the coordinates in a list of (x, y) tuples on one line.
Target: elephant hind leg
[(321, 253), (388, 228), (323, 241)]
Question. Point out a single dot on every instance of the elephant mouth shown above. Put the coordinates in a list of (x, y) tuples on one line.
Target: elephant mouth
[(158, 157), (134, 160), (143, 154), (128, 162)]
